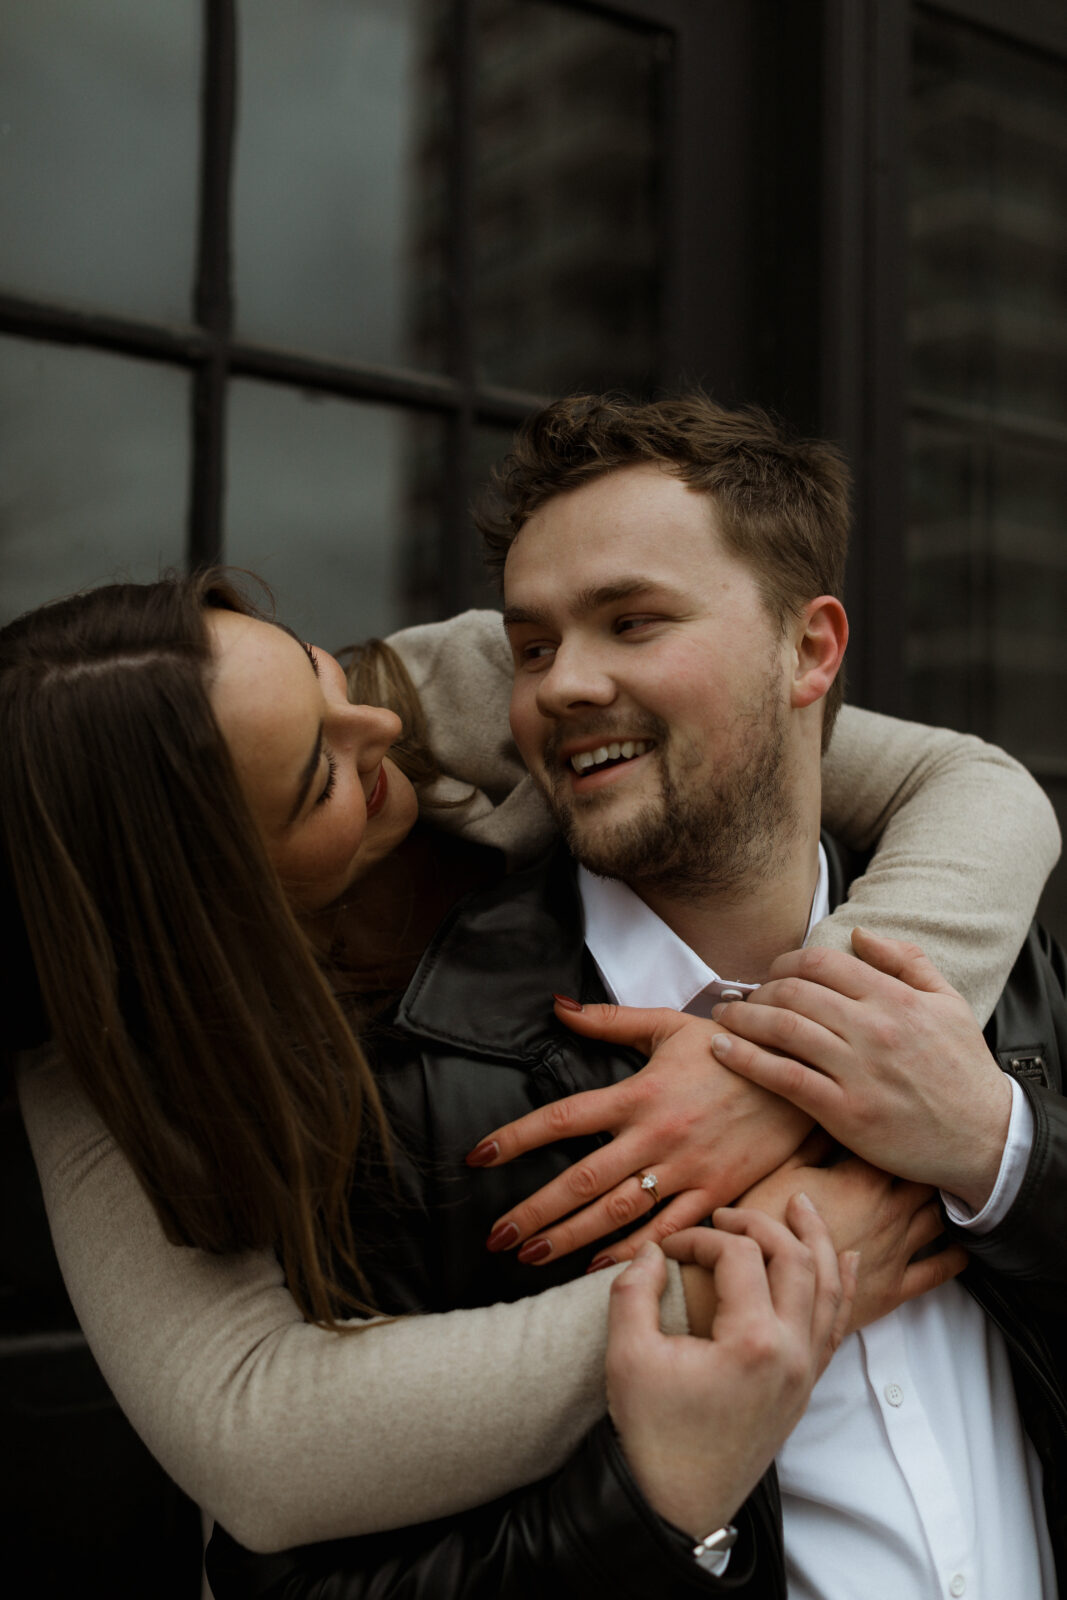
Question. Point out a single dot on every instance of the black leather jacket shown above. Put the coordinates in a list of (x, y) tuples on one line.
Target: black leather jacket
[(476, 1043)]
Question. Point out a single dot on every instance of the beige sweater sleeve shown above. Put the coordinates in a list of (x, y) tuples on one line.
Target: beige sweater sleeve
[(284, 1432), (966, 839)]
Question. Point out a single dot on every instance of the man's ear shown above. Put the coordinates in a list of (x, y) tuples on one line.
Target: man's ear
[(820, 637)]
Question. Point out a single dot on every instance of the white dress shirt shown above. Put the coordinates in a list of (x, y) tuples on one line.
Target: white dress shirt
[(909, 1477)]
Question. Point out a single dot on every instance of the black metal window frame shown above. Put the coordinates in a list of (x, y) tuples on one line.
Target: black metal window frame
[(208, 350)]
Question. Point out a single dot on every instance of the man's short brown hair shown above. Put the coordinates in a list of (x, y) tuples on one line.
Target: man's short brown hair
[(783, 502)]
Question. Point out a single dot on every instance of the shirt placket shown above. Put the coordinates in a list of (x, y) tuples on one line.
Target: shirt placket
[(950, 1540)]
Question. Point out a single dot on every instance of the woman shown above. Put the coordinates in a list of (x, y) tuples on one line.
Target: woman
[(303, 1122)]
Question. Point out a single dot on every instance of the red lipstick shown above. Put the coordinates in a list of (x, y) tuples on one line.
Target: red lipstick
[(378, 793)]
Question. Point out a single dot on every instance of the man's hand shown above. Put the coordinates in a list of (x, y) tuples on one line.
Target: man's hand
[(700, 1421), (884, 1054), (705, 1133), (886, 1220)]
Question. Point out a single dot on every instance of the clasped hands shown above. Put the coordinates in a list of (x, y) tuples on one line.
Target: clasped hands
[(876, 1048)]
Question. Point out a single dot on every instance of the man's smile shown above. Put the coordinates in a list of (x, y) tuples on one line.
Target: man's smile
[(612, 753), (583, 761)]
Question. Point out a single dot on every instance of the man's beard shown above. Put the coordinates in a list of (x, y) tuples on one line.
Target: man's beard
[(719, 836)]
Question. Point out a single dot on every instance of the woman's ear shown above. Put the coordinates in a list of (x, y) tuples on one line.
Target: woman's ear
[(820, 639)]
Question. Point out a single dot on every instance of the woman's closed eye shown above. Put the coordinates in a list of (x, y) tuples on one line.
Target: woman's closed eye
[(331, 779)]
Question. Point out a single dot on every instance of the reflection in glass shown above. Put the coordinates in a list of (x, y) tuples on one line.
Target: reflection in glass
[(99, 153), (319, 504), (988, 380), (93, 471), (566, 207), (989, 223), (987, 647), (330, 172)]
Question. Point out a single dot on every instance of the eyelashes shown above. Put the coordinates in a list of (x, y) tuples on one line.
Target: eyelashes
[(331, 779)]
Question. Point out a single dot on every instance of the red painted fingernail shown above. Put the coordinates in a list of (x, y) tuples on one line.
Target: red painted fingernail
[(599, 1262), (502, 1236), (483, 1155), (567, 1003), (533, 1251)]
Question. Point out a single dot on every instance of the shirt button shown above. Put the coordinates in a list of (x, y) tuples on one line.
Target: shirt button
[(895, 1395), (958, 1585), (731, 994)]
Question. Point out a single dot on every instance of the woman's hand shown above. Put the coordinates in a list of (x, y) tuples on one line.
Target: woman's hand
[(884, 1054), (706, 1134), (700, 1421)]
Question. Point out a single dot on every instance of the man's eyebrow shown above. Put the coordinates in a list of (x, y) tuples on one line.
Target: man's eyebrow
[(307, 778), (588, 600)]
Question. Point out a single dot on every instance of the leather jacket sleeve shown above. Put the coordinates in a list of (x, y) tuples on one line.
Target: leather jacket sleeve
[(584, 1533), (1028, 1033), (1027, 1246)]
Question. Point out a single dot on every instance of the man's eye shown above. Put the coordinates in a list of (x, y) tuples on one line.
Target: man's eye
[(331, 780), (537, 652), (633, 624)]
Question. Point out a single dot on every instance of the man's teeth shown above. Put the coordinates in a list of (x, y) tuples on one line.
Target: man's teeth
[(585, 760)]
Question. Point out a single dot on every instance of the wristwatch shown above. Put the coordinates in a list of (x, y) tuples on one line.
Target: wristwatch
[(713, 1547)]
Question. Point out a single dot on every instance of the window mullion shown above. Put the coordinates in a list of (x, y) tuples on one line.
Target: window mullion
[(213, 295)]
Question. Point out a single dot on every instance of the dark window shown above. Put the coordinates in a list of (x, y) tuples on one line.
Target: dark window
[(282, 275), (987, 391)]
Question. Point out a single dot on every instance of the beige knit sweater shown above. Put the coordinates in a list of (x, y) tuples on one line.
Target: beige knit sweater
[(288, 1434)]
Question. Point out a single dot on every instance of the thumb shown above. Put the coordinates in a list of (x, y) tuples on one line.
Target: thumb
[(633, 1313), (899, 959), (642, 1028)]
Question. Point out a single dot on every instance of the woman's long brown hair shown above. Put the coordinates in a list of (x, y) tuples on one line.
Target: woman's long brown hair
[(149, 936)]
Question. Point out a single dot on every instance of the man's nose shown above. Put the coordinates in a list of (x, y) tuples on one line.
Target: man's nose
[(577, 677)]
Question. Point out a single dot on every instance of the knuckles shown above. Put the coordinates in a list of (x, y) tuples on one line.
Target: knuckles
[(760, 1346), (583, 1182), (559, 1116), (622, 1206)]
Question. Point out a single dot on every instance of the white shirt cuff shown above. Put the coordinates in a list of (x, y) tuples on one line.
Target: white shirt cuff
[(1013, 1164)]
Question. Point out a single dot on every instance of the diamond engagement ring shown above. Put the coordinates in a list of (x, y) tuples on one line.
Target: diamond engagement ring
[(650, 1182)]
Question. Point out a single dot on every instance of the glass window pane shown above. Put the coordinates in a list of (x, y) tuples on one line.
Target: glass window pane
[(342, 116), (945, 636), (99, 131), (989, 223), (988, 347), (567, 186), (93, 470), (332, 502)]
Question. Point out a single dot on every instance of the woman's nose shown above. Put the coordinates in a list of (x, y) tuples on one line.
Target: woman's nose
[(372, 729)]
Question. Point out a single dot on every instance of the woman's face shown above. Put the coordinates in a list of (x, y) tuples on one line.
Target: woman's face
[(312, 766)]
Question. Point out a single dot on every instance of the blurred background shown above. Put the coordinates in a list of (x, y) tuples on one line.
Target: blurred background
[(279, 277)]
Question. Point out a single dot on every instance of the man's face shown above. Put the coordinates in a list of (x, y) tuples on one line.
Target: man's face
[(651, 685)]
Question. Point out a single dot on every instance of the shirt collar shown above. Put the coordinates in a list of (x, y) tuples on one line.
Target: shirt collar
[(643, 962)]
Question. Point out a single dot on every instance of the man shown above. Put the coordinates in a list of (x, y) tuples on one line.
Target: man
[(671, 580)]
